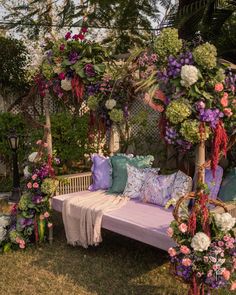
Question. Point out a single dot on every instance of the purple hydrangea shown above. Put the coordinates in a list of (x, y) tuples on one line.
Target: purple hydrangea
[(210, 116)]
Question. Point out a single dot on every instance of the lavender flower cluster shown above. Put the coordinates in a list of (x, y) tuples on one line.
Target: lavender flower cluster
[(211, 116), (175, 64)]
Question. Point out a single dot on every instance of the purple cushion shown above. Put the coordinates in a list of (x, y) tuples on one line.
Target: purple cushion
[(214, 183), (101, 173)]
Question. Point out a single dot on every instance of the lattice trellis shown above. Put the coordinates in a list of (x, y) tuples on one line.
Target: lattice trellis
[(153, 117)]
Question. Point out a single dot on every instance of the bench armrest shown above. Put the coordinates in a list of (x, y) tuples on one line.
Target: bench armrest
[(73, 183), (231, 209)]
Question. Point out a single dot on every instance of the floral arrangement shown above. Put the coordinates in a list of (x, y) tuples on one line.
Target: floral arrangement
[(195, 94), (205, 255), (29, 221)]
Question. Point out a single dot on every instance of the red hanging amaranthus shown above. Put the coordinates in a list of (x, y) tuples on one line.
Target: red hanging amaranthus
[(219, 145), (77, 88)]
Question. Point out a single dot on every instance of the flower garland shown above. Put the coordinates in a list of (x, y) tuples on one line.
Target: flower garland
[(30, 219)]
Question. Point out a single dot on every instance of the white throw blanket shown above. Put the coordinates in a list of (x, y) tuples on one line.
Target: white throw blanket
[(82, 216)]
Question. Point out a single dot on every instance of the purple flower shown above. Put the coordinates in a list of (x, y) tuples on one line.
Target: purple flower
[(37, 199), (73, 57), (57, 161), (89, 70), (211, 116)]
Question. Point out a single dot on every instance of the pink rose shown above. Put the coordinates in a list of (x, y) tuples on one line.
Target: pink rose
[(185, 250), (228, 112), (226, 238), (29, 185), (34, 176), (226, 274), (46, 214), (233, 286), (45, 144), (22, 245), (183, 227), (18, 240), (170, 232), (49, 224), (187, 262), (209, 274), (39, 142), (221, 243), (35, 185), (224, 101), (172, 252), (219, 87)]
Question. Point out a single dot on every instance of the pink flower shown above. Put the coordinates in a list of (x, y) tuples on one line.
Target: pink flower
[(209, 274), (35, 185), (183, 227), (46, 214), (219, 87), (41, 217), (18, 240), (212, 259), (22, 245), (34, 176), (68, 35), (62, 47), (221, 243), (62, 76), (224, 101), (199, 274), (233, 286), (81, 36), (215, 267), (170, 232), (172, 252), (49, 224), (187, 262), (226, 274), (84, 30), (45, 144), (226, 238), (229, 245), (228, 112), (29, 185), (185, 250), (38, 142), (75, 37)]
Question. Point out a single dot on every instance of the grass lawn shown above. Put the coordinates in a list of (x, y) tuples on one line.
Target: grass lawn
[(119, 266)]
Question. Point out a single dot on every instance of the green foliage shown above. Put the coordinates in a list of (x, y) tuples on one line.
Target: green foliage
[(13, 59), (8, 122)]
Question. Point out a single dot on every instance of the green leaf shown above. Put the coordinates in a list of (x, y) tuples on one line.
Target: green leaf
[(206, 95), (65, 63), (100, 68)]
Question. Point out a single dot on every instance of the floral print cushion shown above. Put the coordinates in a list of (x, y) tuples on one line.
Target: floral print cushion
[(159, 189), (136, 178)]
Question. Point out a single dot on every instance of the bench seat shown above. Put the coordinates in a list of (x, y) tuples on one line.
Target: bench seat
[(144, 222)]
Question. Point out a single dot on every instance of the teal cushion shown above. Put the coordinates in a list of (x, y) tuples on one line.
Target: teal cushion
[(228, 187), (119, 169)]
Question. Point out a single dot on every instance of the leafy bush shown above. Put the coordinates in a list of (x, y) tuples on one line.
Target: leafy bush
[(13, 59)]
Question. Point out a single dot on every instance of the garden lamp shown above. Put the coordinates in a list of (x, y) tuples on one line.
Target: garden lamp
[(13, 140)]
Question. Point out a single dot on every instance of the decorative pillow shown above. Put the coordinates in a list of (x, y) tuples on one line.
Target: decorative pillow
[(101, 173), (136, 178), (159, 189), (119, 169), (214, 183)]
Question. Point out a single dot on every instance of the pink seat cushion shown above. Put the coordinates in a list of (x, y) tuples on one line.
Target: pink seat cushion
[(146, 223)]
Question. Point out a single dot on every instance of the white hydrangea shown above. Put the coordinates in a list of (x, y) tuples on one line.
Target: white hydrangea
[(189, 75), (110, 104), (200, 242), (32, 157), (224, 221), (26, 171), (66, 84)]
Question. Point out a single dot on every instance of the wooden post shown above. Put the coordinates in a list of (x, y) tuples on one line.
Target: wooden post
[(199, 163), (48, 123)]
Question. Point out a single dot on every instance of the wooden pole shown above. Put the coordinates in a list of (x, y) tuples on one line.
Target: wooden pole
[(199, 164), (48, 123)]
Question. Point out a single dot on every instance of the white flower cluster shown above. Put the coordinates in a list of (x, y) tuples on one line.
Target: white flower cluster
[(4, 221), (200, 242), (224, 221), (66, 84), (189, 75), (32, 157), (110, 104)]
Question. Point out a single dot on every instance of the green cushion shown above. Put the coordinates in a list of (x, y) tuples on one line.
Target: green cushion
[(119, 169), (228, 187)]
